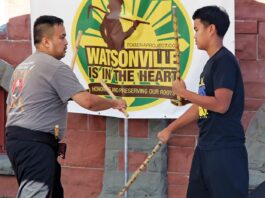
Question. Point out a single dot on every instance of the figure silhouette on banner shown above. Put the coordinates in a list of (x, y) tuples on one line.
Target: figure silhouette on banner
[(111, 28)]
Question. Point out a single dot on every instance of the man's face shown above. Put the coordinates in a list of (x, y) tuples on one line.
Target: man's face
[(57, 42), (201, 34), (114, 5)]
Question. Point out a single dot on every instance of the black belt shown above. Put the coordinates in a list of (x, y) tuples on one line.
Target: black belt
[(20, 133)]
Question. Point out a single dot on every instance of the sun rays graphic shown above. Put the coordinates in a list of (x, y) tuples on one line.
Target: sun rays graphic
[(156, 27), (157, 13)]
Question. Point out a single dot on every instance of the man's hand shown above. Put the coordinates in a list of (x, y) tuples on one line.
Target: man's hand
[(179, 87), (135, 24), (164, 135), (120, 105)]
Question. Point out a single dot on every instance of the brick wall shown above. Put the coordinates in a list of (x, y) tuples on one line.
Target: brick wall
[(180, 152), (15, 46), (84, 165), (250, 50)]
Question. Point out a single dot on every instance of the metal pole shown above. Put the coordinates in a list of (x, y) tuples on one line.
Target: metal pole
[(125, 153)]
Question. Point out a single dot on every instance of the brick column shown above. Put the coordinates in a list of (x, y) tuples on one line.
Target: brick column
[(142, 138)]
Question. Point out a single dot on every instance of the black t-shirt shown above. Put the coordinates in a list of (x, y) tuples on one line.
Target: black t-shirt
[(221, 130)]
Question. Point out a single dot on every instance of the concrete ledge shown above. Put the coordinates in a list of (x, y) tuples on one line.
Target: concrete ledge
[(5, 166)]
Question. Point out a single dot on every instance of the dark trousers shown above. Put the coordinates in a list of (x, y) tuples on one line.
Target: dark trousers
[(35, 165), (220, 173)]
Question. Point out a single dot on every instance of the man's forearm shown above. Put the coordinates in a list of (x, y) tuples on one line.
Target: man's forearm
[(93, 102), (191, 115), (99, 103), (212, 103)]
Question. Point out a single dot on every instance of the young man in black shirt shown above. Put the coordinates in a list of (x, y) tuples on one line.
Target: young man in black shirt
[(220, 165)]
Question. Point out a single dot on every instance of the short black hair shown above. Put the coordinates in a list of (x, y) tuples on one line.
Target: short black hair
[(42, 25), (213, 15)]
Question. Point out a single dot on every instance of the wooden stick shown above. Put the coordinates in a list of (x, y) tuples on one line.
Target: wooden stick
[(56, 131), (78, 39), (140, 169), (112, 96), (177, 101), (97, 8)]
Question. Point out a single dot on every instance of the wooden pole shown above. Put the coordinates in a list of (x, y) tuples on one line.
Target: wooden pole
[(56, 131), (78, 39), (140, 169), (97, 8), (177, 101), (112, 96)]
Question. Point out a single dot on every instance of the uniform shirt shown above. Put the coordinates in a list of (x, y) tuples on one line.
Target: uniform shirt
[(39, 91)]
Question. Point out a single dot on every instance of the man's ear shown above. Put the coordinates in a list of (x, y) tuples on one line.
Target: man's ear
[(45, 42), (212, 29)]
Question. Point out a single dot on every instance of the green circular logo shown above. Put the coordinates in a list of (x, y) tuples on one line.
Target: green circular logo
[(131, 45)]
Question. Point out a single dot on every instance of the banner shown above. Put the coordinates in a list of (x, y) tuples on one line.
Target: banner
[(130, 44)]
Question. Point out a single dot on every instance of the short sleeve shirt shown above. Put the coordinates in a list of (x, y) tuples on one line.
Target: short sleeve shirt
[(216, 129), (39, 91)]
